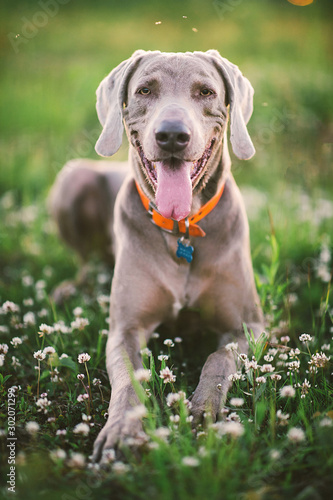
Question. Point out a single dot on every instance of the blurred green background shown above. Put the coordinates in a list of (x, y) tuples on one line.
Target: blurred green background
[(54, 53), (49, 74)]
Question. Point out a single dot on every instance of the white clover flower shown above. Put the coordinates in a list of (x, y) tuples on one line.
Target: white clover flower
[(146, 352), (243, 356), (268, 358), (276, 376), (168, 343), (294, 352), (83, 358), (43, 313), (60, 327), (29, 319), (9, 307), (61, 432), (40, 284), (58, 455), (275, 454), (78, 311), (172, 398), (261, 380), (45, 330), (27, 280), (174, 419), (325, 347), (285, 339), (142, 375), (167, 375), (305, 337), (97, 381), (3, 348), (296, 435), (104, 302), (39, 355), (49, 350), (282, 418), (318, 360), (231, 428), (236, 401), (79, 323), (77, 461), (232, 346), (326, 422), (82, 428), (162, 433), (294, 366), (2, 359), (43, 404), (82, 397), (63, 356), (267, 368), (80, 376), (104, 332), (305, 386), (163, 357), (190, 461), (283, 356), (287, 391), (32, 427), (251, 365), (136, 413), (16, 341), (108, 456), (235, 376), (233, 417), (178, 340), (120, 468), (155, 335)]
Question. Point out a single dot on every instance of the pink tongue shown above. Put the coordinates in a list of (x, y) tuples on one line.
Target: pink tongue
[(174, 190)]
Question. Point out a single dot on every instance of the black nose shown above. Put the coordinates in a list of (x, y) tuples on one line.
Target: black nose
[(172, 136)]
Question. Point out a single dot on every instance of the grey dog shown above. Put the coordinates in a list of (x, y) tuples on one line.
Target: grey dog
[(175, 108)]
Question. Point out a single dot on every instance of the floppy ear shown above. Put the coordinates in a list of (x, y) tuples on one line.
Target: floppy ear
[(111, 94), (240, 95)]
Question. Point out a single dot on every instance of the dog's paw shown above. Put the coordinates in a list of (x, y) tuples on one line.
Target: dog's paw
[(105, 443), (114, 437), (206, 404)]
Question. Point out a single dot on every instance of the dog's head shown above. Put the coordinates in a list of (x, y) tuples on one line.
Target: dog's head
[(175, 110)]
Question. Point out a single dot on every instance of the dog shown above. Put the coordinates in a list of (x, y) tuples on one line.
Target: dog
[(172, 218)]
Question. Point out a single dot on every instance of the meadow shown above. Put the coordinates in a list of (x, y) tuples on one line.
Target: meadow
[(275, 436)]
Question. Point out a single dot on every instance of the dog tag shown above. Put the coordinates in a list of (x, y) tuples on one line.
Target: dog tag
[(184, 251)]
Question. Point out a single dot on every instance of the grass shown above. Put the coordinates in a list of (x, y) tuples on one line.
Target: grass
[(48, 116)]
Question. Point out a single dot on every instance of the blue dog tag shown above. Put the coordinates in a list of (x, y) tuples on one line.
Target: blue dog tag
[(184, 251)]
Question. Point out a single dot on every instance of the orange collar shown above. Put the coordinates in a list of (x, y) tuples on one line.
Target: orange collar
[(188, 225)]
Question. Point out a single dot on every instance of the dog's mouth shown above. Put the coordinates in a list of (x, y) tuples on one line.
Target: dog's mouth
[(173, 181), (197, 166)]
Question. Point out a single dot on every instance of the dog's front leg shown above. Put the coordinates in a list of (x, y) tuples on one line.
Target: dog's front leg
[(211, 392), (122, 356)]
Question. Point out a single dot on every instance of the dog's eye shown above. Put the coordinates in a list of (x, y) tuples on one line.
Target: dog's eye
[(144, 91), (206, 92)]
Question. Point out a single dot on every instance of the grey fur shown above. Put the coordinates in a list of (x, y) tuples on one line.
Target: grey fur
[(150, 283)]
